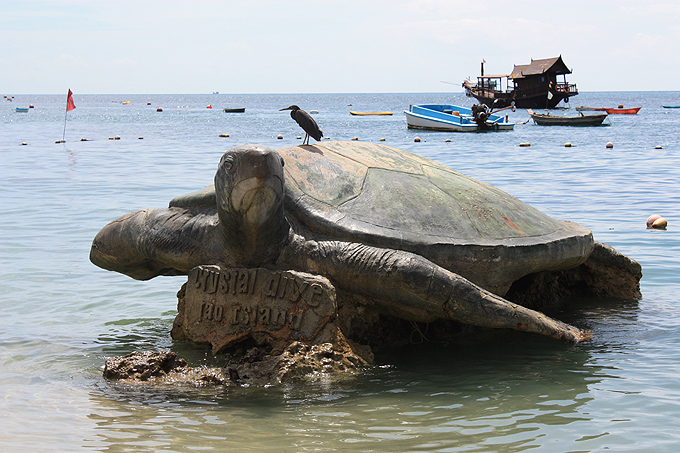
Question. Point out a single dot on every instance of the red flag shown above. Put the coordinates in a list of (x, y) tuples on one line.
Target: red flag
[(70, 105)]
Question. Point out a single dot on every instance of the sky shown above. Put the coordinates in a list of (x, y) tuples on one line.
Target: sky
[(328, 46)]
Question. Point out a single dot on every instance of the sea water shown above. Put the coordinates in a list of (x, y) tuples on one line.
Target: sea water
[(61, 316)]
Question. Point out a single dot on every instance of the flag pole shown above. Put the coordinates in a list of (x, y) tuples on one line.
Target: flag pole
[(63, 136), (70, 105)]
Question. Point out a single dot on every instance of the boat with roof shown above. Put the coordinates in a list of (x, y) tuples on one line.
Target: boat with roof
[(530, 86)]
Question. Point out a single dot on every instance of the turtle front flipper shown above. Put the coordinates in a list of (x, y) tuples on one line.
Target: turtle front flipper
[(151, 242), (411, 287)]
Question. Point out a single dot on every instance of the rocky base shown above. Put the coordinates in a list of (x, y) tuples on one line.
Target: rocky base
[(299, 361), (160, 367), (258, 365), (606, 273)]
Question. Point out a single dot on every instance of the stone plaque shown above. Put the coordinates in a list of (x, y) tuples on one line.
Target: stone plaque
[(222, 306)]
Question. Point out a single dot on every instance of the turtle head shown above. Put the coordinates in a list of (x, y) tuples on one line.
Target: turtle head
[(249, 188)]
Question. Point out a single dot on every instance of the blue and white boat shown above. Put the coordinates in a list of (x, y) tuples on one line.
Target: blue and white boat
[(21, 109), (452, 118)]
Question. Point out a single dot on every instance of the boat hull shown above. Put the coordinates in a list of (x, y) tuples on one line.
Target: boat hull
[(524, 99), (623, 111), (582, 120), (441, 117), (235, 110), (632, 111)]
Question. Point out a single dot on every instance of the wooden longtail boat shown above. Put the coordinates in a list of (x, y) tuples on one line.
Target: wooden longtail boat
[(530, 86), (632, 111), (543, 119), (620, 110)]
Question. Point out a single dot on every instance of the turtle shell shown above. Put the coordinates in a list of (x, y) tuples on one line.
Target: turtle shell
[(388, 197)]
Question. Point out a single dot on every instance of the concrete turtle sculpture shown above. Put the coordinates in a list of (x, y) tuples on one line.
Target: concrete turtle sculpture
[(398, 231)]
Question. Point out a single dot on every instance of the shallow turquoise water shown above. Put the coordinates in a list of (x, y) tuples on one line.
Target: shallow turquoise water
[(504, 391)]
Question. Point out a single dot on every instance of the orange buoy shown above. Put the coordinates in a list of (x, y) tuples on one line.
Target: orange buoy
[(209, 106), (660, 224)]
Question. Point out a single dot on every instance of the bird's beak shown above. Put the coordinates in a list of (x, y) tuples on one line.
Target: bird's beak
[(287, 108)]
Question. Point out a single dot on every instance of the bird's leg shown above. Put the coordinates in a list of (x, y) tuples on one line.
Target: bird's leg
[(306, 140)]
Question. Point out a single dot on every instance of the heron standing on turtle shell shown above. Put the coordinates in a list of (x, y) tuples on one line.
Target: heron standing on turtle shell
[(306, 122)]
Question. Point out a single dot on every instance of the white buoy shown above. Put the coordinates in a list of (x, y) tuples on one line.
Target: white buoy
[(280, 137), (609, 145), (417, 139)]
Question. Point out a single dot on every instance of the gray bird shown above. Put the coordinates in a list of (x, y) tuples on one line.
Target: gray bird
[(306, 122)]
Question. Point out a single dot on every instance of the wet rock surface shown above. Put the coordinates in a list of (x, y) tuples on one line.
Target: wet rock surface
[(156, 367), (606, 273), (257, 365)]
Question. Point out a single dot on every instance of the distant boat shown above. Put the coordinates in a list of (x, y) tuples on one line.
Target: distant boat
[(369, 113), (632, 111), (671, 106), (619, 110), (21, 109), (532, 85), (126, 102), (543, 119), (235, 110), (452, 118)]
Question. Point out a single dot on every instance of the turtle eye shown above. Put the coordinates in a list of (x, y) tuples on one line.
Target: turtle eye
[(228, 163)]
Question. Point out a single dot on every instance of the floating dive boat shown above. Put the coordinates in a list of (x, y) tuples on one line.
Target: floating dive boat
[(452, 118), (235, 110), (544, 119), (530, 86), (369, 113), (619, 110)]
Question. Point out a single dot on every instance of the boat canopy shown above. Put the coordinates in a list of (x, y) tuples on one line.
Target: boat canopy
[(537, 67)]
